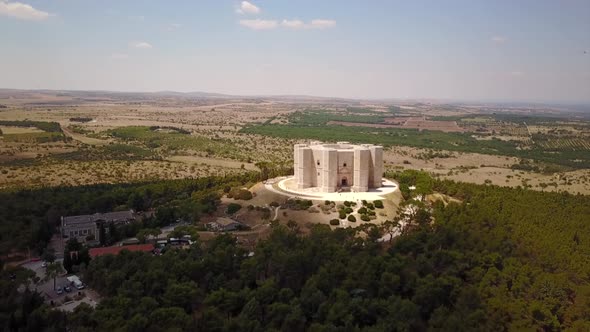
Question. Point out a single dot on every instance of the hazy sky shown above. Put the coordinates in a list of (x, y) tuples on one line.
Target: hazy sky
[(489, 49)]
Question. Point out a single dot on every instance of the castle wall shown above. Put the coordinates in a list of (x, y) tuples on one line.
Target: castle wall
[(345, 168), (331, 166)]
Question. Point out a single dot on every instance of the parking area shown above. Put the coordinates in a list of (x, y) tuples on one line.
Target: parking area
[(37, 267), (46, 288), (68, 297)]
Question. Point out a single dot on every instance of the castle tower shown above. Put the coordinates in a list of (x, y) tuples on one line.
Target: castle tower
[(362, 161), (376, 166)]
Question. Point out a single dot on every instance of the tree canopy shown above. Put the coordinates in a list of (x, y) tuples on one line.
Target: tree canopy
[(502, 259)]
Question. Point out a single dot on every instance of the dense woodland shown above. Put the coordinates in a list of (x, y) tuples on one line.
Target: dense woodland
[(29, 217), (501, 260)]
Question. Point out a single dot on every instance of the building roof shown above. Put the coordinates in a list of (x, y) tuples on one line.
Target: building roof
[(115, 250), (89, 218), (226, 222), (73, 278), (339, 146)]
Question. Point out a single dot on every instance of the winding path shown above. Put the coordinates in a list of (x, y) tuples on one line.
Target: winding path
[(82, 138)]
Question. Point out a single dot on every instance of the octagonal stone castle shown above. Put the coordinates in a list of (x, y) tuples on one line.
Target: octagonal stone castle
[(338, 167)]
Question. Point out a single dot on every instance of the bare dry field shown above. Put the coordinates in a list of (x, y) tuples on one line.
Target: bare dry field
[(73, 173), (479, 168), (215, 121), (19, 130), (423, 124)]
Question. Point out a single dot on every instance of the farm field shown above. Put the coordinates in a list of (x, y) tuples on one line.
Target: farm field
[(309, 125), (135, 138), (9, 130)]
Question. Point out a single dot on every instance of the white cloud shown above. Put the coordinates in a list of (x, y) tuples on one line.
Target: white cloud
[(119, 56), (22, 11), (259, 24), (248, 8), (498, 39), (321, 23), (293, 24), (137, 18), (314, 24), (144, 45), (173, 26)]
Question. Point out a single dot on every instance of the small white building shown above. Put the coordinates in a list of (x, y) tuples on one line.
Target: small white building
[(224, 225)]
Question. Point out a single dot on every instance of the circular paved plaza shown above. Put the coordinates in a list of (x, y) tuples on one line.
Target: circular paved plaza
[(287, 186)]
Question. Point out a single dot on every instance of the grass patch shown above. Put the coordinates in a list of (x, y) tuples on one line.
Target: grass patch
[(51, 132), (52, 127), (178, 140), (322, 117), (109, 152), (44, 137)]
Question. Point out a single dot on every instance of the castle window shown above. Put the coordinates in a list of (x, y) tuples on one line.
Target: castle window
[(318, 162), (344, 165)]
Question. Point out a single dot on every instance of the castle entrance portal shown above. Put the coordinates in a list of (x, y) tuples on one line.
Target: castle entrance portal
[(344, 182)]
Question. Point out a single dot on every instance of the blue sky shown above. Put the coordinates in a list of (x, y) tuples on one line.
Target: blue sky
[(468, 50)]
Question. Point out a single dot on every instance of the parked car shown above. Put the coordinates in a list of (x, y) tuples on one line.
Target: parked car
[(68, 289), (44, 264), (59, 290)]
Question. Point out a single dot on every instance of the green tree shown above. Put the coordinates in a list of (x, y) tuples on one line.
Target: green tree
[(52, 271)]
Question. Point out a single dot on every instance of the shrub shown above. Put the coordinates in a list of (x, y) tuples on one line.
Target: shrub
[(233, 208), (352, 218), (274, 204), (242, 194), (370, 206), (347, 203), (334, 222), (378, 204), (364, 202), (362, 210), (348, 210), (365, 217), (342, 214)]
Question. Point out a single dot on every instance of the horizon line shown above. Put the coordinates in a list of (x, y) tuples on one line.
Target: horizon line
[(376, 99)]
